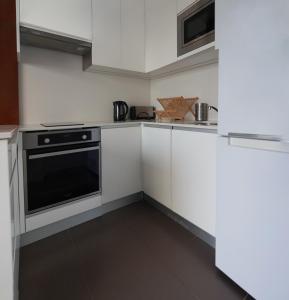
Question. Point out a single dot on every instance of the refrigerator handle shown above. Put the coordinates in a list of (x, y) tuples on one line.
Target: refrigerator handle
[(255, 136), (259, 144)]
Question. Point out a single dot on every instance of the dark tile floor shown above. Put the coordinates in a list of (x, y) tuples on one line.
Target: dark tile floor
[(134, 253)]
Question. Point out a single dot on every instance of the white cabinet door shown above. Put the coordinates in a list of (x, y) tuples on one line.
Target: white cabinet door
[(15, 204), (121, 162), (118, 34), (106, 42), (161, 33), (16, 225), (156, 161), (14, 201), (183, 4), (15, 217), (194, 177), (253, 42), (6, 226), (70, 18), (133, 35)]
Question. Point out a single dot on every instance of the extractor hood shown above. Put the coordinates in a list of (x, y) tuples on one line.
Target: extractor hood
[(41, 39)]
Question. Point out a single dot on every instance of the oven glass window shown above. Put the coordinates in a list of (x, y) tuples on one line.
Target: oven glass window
[(199, 24), (61, 176)]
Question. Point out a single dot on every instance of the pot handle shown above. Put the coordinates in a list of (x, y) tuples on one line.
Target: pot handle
[(213, 107)]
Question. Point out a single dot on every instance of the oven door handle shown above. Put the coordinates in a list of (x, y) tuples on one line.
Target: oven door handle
[(36, 156)]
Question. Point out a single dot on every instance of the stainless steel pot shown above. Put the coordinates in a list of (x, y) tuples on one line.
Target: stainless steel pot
[(201, 111)]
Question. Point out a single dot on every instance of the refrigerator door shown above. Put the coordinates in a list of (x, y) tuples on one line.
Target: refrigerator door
[(253, 41), (252, 244)]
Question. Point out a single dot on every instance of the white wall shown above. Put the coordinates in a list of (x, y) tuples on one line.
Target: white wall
[(201, 82), (54, 88)]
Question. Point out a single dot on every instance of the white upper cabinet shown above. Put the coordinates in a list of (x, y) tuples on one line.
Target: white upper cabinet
[(253, 42), (106, 28), (71, 18), (161, 33), (133, 35), (183, 4), (156, 162), (118, 34), (194, 177), (121, 162)]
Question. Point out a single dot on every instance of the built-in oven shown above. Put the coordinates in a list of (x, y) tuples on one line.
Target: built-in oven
[(196, 26), (60, 167)]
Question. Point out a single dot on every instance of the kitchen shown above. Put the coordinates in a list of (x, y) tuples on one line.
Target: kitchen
[(99, 204)]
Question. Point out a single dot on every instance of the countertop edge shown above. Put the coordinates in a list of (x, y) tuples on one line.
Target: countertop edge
[(107, 125), (7, 132)]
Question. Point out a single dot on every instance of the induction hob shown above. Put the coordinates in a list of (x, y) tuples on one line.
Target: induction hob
[(58, 124)]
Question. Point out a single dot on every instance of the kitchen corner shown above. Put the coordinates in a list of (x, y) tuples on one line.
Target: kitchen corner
[(124, 145), (144, 150)]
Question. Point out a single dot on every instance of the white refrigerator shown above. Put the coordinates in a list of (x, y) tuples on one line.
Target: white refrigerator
[(252, 230)]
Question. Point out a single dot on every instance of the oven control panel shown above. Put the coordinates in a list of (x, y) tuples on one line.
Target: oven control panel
[(32, 140), (63, 138)]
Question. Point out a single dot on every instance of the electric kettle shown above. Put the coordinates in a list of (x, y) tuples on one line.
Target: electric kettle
[(120, 110)]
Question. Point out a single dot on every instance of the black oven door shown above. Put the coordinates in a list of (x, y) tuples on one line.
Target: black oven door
[(61, 174), (196, 26)]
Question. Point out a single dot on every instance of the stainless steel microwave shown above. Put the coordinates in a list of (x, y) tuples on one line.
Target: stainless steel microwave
[(196, 26)]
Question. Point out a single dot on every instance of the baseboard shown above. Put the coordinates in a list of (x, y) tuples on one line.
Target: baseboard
[(200, 233), (51, 229)]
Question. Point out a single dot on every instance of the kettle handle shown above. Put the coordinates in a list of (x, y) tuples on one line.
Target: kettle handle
[(126, 108), (213, 107)]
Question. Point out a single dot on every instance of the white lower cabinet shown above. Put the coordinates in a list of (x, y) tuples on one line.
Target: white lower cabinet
[(179, 171), (15, 224), (121, 162), (14, 199), (194, 177), (156, 161), (9, 220)]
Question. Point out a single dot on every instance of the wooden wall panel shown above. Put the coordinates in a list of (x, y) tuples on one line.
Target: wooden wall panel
[(9, 105)]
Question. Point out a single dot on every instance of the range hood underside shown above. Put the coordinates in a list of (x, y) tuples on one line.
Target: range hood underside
[(41, 39)]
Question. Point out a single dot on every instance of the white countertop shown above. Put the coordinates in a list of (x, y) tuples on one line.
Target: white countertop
[(7, 131), (180, 124)]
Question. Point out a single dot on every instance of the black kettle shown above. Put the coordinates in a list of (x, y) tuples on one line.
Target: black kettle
[(120, 110)]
